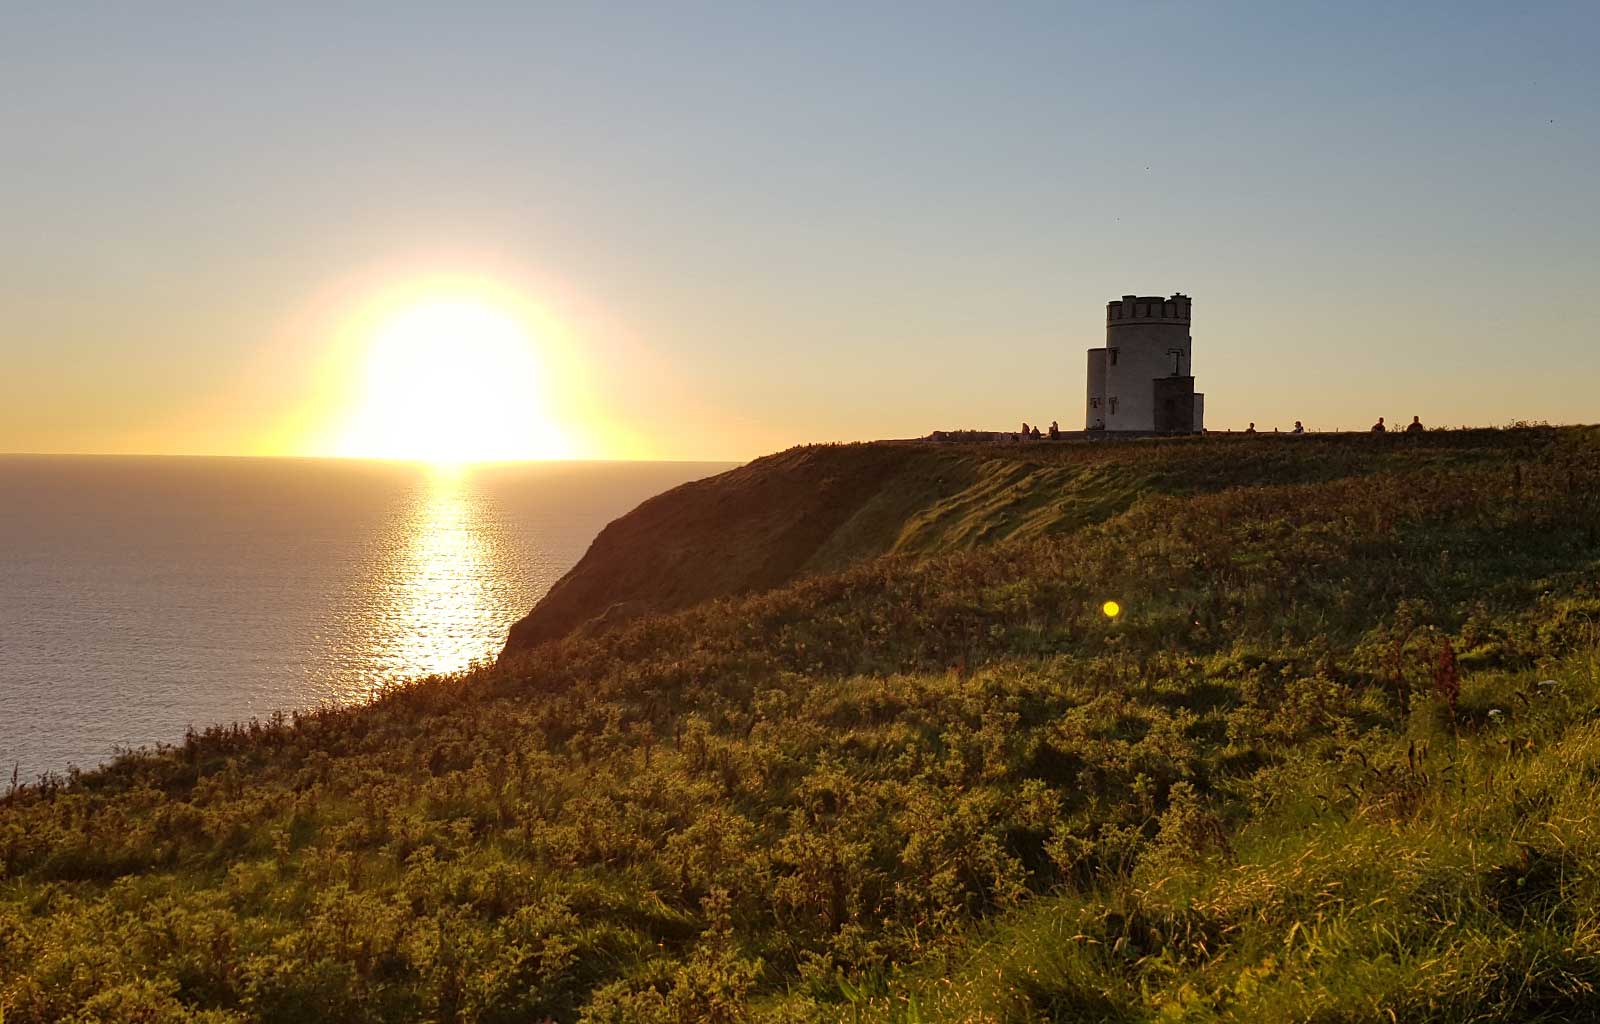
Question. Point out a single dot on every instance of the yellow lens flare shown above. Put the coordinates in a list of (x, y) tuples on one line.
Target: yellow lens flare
[(1112, 609)]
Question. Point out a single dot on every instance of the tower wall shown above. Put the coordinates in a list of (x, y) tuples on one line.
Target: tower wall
[(1147, 337), (1174, 405), (1094, 413)]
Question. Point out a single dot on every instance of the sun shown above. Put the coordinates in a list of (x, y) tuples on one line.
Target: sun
[(451, 380)]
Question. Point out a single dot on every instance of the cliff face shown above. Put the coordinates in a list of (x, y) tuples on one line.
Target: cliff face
[(749, 529), (820, 508)]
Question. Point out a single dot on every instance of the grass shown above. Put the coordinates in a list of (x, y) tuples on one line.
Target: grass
[(927, 786), (820, 509), (1452, 884)]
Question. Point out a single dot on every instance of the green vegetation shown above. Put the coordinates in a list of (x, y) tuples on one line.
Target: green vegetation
[(1334, 763), (821, 508)]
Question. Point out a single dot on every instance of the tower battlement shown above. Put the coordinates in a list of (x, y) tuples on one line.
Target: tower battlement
[(1147, 309)]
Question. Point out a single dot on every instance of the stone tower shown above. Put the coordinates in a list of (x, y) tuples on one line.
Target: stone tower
[(1143, 380)]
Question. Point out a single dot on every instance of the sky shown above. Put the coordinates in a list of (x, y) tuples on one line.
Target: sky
[(717, 230)]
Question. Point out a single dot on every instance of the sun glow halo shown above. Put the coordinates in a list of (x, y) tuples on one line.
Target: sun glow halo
[(450, 381)]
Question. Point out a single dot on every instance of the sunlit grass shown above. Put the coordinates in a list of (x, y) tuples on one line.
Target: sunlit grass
[(938, 788)]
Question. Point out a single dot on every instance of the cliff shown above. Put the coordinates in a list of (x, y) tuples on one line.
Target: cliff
[(820, 508), (748, 529), (805, 511)]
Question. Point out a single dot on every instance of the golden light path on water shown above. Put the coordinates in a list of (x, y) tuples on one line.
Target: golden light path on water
[(439, 598), (451, 557), (447, 598)]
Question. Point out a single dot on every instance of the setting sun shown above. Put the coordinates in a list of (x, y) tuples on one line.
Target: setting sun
[(452, 380)]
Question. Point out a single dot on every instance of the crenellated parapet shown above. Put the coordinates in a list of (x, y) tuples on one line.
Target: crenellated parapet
[(1147, 309)]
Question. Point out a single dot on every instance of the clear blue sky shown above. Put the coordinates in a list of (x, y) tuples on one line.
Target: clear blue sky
[(760, 225)]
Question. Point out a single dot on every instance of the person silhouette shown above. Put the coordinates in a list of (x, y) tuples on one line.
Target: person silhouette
[(1251, 429), (1415, 426), (1055, 430), (1299, 428), (1379, 428)]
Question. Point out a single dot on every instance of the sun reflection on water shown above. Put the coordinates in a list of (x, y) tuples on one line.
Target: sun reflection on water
[(440, 605)]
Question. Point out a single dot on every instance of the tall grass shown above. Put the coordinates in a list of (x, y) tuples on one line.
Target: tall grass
[(942, 787)]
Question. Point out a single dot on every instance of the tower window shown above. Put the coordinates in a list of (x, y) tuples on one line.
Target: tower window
[(1113, 354), (1113, 402)]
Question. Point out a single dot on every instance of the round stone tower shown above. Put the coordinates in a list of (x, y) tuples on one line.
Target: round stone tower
[(1147, 383)]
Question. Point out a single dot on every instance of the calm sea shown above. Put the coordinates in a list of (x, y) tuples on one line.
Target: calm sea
[(139, 596)]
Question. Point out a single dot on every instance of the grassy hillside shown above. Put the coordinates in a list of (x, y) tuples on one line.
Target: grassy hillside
[(1334, 763), (818, 509)]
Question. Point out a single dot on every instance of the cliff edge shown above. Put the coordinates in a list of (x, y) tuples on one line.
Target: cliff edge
[(745, 530), (818, 508)]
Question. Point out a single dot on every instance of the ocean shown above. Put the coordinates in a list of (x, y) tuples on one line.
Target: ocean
[(142, 596)]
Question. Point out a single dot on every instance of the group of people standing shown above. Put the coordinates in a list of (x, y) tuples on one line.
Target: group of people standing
[(1032, 433), (1414, 427)]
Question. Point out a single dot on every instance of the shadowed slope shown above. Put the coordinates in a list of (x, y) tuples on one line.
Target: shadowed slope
[(751, 528)]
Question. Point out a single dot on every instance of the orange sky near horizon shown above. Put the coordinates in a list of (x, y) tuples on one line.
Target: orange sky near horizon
[(402, 364), (708, 232)]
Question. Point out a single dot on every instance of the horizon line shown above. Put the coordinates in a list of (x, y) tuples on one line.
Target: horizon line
[(331, 458)]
